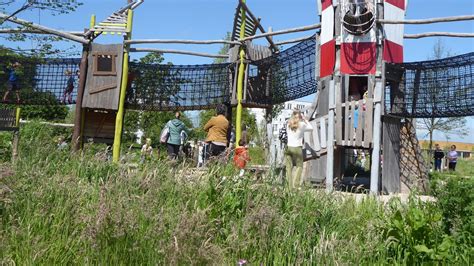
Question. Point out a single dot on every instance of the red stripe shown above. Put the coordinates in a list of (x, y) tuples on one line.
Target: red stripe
[(398, 3), (328, 58), (325, 4), (392, 52), (358, 58)]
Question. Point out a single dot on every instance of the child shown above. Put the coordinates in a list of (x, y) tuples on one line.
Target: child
[(69, 87), (241, 156), (12, 84), (147, 150)]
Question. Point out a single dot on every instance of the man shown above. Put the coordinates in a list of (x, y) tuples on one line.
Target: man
[(216, 129), (438, 157), (12, 83)]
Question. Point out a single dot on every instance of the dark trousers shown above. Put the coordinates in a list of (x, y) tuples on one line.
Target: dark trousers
[(214, 150), (173, 150), (452, 166), (437, 164)]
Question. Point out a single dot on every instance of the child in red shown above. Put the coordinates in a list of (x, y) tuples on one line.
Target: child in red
[(241, 156)]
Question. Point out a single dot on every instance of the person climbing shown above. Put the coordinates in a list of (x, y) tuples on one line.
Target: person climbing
[(147, 151), (241, 156), (12, 83), (438, 157), (296, 127), (173, 144), (452, 158), (216, 129), (69, 87)]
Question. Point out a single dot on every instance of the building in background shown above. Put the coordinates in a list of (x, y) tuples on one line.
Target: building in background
[(276, 148)]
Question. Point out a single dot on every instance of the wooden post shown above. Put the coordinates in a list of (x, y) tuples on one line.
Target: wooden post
[(16, 136), (123, 93), (330, 137), (375, 166), (240, 81)]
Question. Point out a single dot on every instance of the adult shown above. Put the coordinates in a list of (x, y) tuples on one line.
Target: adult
[(175, 127), (438, 157), (216, 129), (296, 127), (452, 158)]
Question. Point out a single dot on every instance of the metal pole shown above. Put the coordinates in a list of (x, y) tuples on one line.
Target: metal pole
[(330, 136), (123, 92), (240, 80)]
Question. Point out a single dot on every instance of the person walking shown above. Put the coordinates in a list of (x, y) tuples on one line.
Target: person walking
[(175, 127), (438, 157), (296, 127), (216, 129), (452, 158)]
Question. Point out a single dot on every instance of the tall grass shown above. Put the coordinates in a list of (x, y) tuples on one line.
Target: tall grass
[(59, 208)]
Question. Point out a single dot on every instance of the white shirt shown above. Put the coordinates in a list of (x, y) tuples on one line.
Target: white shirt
[(295, 138)]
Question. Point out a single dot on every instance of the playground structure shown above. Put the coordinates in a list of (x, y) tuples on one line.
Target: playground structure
[(354, 64)]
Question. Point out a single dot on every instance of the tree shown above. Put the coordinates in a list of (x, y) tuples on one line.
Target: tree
[(450, 125), (43, 43), (147, 88)]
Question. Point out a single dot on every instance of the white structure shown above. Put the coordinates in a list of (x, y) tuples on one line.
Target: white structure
[(276, 148)]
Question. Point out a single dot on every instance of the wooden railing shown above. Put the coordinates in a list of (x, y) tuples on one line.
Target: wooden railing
[(347, 132)]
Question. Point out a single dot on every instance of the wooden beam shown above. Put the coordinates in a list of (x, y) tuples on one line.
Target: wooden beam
[(438, 34), (30, 31), (167, 51), (59, 33), (140, 41), (280, 32), (257, 23), (294, 40), (426, 21)]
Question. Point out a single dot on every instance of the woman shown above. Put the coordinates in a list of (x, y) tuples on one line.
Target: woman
[(216, 129), (296, 127), (175, 127), (452, 158)]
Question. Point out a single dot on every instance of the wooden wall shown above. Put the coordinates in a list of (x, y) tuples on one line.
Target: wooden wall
[(103, 91)]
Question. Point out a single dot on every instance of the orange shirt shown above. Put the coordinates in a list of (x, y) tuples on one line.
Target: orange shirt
[(241, 157)]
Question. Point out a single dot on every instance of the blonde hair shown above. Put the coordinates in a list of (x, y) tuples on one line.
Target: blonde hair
[(294, 121)]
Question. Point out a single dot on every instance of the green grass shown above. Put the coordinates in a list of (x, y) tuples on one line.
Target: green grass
[(60, 208)]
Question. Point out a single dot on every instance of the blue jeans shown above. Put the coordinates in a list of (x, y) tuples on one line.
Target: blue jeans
[(438, 164)]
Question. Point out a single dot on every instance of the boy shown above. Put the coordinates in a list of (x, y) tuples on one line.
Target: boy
[(12, 83), (241, 156), (69, 87)]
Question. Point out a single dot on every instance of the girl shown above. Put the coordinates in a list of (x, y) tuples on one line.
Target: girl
[(296, 127)]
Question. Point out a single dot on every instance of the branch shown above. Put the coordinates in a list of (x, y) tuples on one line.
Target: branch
[(435, 34)]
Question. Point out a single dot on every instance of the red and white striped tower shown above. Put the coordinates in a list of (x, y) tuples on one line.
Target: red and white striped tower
[(352, 50)]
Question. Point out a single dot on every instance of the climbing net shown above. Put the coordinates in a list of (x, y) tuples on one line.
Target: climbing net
[(177, 87), (39, 81), (436, 88), (291, 74)]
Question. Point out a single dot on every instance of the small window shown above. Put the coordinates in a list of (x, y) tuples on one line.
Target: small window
[(104, 64)]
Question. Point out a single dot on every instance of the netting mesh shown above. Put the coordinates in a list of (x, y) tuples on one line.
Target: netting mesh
[(436, 88), (177, 87), (39, 81), (291, 75)]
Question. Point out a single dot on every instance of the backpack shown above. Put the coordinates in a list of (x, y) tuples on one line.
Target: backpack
[(165, 134), (283, 135)]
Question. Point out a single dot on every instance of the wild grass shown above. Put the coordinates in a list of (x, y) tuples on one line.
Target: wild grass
[(61, 208)]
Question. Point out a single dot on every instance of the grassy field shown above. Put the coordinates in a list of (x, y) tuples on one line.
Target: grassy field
[(59, 208)]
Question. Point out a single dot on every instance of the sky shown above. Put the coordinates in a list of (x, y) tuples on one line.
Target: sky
[(212, 19)]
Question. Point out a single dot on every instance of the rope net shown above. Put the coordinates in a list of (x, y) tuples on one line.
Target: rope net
[(157, 87), (285, 76), (436, 88), (32, 81)]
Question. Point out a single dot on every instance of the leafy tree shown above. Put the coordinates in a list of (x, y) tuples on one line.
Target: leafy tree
[(450, 125), (43, 43)]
